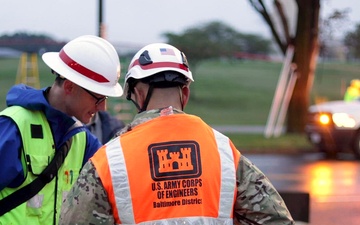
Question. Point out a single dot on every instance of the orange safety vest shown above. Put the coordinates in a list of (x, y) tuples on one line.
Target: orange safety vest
[(172, 168)]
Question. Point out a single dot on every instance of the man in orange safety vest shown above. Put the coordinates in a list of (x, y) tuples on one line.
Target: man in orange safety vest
[(169, 167)]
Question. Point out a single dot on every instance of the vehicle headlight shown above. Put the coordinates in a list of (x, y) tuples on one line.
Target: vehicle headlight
[(324, 118), (343, 120)]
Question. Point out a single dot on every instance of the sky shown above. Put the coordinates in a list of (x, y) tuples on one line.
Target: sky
[(139, 22)]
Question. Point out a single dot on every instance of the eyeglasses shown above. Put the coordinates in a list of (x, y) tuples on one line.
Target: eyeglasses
[(98, 100)]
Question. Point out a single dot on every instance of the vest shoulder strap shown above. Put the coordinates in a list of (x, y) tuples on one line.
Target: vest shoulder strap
[(25, 193)]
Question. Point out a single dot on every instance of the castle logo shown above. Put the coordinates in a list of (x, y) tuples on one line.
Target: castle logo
[(174, 160)]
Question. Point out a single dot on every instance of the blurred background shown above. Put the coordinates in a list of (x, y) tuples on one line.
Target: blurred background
[(239, 51)]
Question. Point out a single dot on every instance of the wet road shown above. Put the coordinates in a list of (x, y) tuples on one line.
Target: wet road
[(333, 184)]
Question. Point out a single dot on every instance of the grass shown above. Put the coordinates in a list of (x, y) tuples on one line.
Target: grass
[(228, 93), (257, 143)]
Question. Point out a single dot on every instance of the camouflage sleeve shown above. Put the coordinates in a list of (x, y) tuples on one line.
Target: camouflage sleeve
[(257, 200), (87, 201)]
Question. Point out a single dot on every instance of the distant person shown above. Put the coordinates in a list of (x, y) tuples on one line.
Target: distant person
[(169, 167), (43, 145), (353, 91), (104, 126)]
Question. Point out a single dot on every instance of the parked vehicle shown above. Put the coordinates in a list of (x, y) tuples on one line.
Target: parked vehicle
[(334, 126)]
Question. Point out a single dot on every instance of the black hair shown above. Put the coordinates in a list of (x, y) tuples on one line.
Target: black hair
[(59, 80), (164, 79)]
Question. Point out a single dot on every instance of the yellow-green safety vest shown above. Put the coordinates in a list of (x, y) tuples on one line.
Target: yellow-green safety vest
[(38, 151)]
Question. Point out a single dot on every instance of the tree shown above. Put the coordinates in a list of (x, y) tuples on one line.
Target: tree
[(352, 42), (30, 43), (215, 40), (306, 44), (328, 27)]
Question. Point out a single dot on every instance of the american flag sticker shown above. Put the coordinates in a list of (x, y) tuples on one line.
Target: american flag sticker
[(167, 51)]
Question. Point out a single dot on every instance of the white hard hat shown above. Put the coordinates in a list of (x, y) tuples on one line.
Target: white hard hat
[(90, 62), (155, 58)]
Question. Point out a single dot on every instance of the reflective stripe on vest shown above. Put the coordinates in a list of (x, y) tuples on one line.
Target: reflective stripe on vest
[(170, 197), (38, 146)]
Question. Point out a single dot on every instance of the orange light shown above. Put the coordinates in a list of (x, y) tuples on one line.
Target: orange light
[(324, 119), (322, 182)]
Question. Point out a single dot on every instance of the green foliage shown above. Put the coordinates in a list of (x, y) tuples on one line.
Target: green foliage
[(352, 42), (31, 43), (215, 40), (329, 26), (255, 44)]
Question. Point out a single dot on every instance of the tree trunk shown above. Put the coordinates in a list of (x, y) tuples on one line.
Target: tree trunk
[(306, 54)]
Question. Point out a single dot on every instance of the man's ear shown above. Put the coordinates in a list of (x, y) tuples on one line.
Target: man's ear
[(68, 86), (140, 94), (185, 91)]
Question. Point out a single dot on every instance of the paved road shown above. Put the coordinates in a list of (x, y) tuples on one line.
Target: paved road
[(333, 184)]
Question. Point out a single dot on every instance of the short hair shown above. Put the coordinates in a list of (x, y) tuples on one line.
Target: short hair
[(59, 80)]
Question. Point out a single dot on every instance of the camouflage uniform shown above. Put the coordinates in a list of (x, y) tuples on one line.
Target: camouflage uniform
[(257, 200)]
